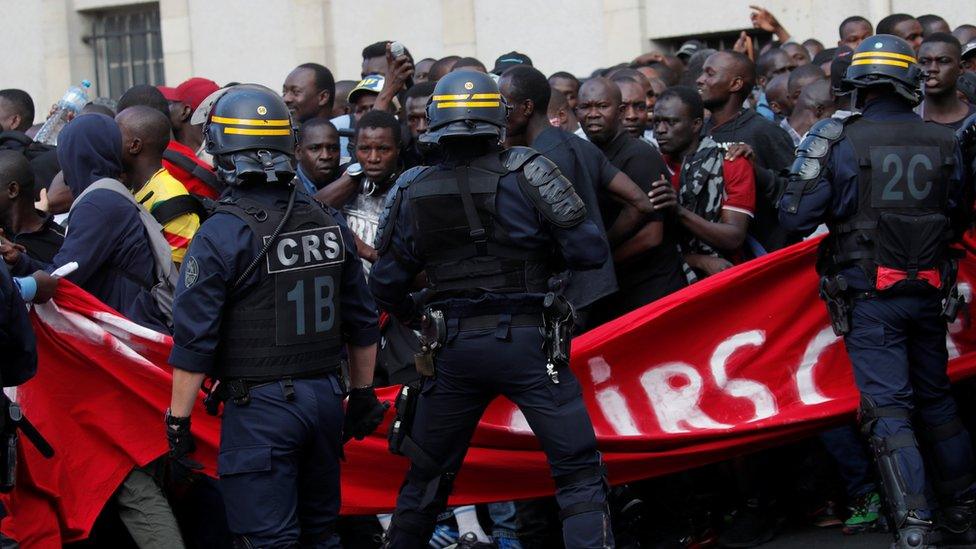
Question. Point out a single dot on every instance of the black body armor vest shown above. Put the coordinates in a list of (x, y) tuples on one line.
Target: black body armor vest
[(466, 251), (902, 218), (289, 324)]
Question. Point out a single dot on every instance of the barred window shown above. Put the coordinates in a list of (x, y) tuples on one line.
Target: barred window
[(128, 48), (717, 40)]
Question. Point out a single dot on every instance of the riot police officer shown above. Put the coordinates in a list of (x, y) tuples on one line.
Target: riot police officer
[(270, 293), (891, 189), (489, 228)]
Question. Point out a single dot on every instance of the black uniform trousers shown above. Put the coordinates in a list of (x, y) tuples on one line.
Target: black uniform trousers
[(472, 369)]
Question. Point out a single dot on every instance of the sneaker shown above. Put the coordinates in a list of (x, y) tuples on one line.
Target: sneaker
[(751, 526), (825, 516), (444, 536), (865, 514), (470, 541)]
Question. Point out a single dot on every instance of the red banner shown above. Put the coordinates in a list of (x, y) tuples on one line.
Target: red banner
[(738, 362)]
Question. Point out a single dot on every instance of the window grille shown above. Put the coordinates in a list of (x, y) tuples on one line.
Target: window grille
[(128, 49)]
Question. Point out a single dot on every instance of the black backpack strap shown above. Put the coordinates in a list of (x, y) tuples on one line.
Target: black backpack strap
[(20, 138), (168, 210), (194, 169)]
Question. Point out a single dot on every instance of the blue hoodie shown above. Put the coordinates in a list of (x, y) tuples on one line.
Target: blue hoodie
[(105, 234)]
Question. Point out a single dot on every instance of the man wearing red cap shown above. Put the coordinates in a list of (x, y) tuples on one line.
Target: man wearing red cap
[(185, 158)]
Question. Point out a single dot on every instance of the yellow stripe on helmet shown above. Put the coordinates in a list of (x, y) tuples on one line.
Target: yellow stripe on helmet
[(890, 55), (455, 97), (901, 64), (486, 96), (250, 131), (250, 121), (452, 104)]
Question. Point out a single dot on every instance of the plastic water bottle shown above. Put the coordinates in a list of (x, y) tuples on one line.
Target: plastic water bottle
[(73, 101), (397, 49)]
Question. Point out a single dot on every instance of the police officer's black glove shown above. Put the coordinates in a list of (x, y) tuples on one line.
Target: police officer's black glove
[(180, 468), (364, 413)]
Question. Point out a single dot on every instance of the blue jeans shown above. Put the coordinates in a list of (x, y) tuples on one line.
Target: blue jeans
[(504, 529), (846, 446)]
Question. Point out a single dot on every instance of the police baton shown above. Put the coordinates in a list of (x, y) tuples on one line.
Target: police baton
[(21, 422)]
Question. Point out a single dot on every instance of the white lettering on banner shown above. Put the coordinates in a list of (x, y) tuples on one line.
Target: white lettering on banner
[(610, 400), (614, 408), (517, 422), (287, 259), (599, 369), (762, 399), (965, 290), (806, 384), (674, 389), (676, 405)]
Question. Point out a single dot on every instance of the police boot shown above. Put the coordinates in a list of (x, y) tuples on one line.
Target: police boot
[(955, 522), (914, 533)]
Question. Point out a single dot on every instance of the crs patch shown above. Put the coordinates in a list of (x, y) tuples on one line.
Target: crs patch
[(306, 249), (191, 271)]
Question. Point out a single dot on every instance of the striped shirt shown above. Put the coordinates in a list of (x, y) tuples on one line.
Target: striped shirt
[(161, 187)]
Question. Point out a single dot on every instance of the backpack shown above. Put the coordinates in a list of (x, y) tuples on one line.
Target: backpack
[(168, 210), (165, 271), (189, 166)]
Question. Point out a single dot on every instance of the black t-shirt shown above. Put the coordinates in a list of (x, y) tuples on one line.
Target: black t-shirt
[(43, 244), (958, 123), (590, 172), (658, 271)]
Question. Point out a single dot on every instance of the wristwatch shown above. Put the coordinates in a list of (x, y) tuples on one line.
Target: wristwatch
[(354, 170)]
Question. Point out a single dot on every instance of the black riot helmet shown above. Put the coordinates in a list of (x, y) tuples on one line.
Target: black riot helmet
[(249, 132), (465, 104), (886, 60)]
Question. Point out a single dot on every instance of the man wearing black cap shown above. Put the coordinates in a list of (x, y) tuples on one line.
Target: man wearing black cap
[(509, 60), (688, 49), (968, 57)]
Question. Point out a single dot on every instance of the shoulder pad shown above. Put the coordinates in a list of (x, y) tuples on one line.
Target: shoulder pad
[(516, 157), (551, 193), (816, 144), (829, 128), (384, 230), (811, 155)]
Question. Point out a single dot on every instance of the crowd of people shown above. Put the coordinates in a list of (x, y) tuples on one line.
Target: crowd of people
[(675, 164)]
